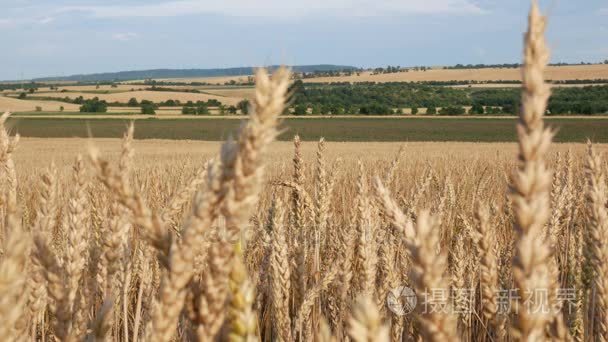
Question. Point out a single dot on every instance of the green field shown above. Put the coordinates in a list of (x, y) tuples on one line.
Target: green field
[(334, 129)]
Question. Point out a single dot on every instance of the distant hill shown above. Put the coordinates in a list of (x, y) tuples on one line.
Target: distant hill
[(183, 73)]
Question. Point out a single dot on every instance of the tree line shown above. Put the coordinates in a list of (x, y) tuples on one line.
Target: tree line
[(95, 105), (391, 98)]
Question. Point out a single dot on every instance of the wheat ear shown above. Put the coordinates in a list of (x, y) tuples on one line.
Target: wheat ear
[(240, 180), (12, 277), (365, 323), (77, 224), (530, 187), (302, 317), (366, 255), (427, 274), (242, 319), (280, 277), (488, 264), (7, 147), (596, 193)]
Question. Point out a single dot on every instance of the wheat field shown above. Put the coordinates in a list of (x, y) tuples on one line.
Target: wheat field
[(554, 73), (154, 96), (17, 105), (254, 240)]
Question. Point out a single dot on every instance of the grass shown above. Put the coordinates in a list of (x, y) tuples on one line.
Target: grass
[(336, 129)]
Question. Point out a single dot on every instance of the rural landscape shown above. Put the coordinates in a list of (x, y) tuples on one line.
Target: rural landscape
[(353, 99), (317, 202)]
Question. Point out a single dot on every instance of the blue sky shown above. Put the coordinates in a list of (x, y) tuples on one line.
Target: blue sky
[(63, 37)]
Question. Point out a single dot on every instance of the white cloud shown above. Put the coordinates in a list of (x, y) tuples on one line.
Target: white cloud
[(124, 36), (603, 11), (279, 8)]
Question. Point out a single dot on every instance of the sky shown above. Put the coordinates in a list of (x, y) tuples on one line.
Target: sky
[(64, 37)]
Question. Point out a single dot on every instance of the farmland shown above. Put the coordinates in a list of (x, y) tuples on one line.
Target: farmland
[(333, 129), (556, 73), (404, 92), (311, 99)]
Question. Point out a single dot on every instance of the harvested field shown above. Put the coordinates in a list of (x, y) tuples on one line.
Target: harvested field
[(556, 73), (574, 72), (155, 96), (241, 93), (219, 80), (102, 88), (9, 104)]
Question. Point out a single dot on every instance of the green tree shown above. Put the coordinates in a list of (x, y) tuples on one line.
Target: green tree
[(325, 109), (213, 103), (94, 105), (232, 110), (300, 110), (375, 109), (452, 110), (493, 110), (414, 110), (189, 110), (431, 110), (148, 108), (133, 102), (511, 109), (243, 106), (22, 96), (202, 109), (476, 109), (295, 89), (316, 109)]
